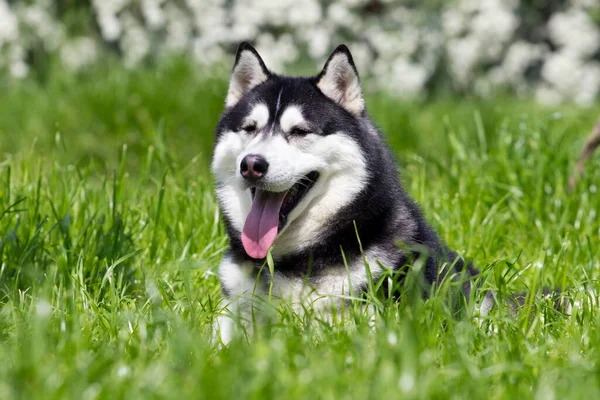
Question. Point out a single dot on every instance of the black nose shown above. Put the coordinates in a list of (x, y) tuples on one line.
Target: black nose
[(253, 167)]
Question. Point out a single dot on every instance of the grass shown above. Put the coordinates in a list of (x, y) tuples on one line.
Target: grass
[(110, 240)]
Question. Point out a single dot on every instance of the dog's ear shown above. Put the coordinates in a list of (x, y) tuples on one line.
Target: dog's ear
[(249, 70), (340, 82)]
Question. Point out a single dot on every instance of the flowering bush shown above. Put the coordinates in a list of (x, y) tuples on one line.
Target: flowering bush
[(549, 49)]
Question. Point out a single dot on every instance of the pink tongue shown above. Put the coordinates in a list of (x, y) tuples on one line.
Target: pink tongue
[(262, 223)]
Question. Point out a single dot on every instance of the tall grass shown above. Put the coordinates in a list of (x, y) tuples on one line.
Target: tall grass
[(110, 240)]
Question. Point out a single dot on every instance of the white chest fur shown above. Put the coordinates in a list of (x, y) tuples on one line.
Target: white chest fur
[(321, 293), (335, 282)]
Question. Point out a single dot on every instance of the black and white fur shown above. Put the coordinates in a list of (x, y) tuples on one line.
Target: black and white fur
[(300, 125)]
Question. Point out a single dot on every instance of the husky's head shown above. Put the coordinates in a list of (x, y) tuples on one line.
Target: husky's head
[(288, 154)]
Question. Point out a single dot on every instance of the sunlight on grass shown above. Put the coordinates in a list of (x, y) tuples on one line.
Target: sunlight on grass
[(110, 239)]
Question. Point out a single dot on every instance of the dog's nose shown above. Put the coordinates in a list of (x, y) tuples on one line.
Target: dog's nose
[(253, 167)]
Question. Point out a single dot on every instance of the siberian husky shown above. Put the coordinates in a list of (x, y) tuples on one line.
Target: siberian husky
[(305, 178)]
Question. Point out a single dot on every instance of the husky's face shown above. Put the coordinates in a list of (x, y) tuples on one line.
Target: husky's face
[(286, 158)]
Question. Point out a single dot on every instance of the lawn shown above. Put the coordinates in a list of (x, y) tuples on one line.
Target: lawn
[(110, 240)]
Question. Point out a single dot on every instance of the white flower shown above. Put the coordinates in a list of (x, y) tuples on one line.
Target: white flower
[(9, 28), (207, 52), (179, 30), (407, 79), (19, 69), (110, 27), (463, 55), (107, 11), (16, 61), (277, 52), (306, 12), (584, 3), (575, 31), (45, 28), (210, 17), (135, 43), (109, 6), (78, 53), (454, 22), (339, 14), (468, 6), (153, 13), (383, 42), (493, 27), (589, 86), (562, 70), (352, 3), (318, 43), (519, 56), (570, 77), (498, 4), (408, 40), (431, 49)]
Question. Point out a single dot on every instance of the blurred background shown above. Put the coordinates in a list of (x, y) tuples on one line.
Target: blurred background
[(155, 71), (548, 49)]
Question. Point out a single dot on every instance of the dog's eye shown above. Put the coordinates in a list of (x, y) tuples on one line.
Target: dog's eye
[(249, 127), (298, 130)]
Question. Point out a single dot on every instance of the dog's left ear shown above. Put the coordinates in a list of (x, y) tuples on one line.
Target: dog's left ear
[(249, 70), (340, 82)]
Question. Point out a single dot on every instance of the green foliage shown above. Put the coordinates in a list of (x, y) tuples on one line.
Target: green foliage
[(110, 239)]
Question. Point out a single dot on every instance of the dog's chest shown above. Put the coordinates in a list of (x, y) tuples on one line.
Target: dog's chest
[(242, 281)]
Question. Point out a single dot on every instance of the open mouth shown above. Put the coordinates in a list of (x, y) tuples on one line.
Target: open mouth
[(269, 214)]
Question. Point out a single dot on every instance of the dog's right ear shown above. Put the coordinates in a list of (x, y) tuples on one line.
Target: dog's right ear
[(249, 70), (339, 81)]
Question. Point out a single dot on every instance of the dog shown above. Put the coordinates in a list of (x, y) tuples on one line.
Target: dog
[(307, 184)]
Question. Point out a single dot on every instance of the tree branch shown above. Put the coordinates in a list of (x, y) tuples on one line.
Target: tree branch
[(586, 153)]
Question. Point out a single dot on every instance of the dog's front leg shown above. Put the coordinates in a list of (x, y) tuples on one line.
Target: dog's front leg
[(238, 281), (225, 323)]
